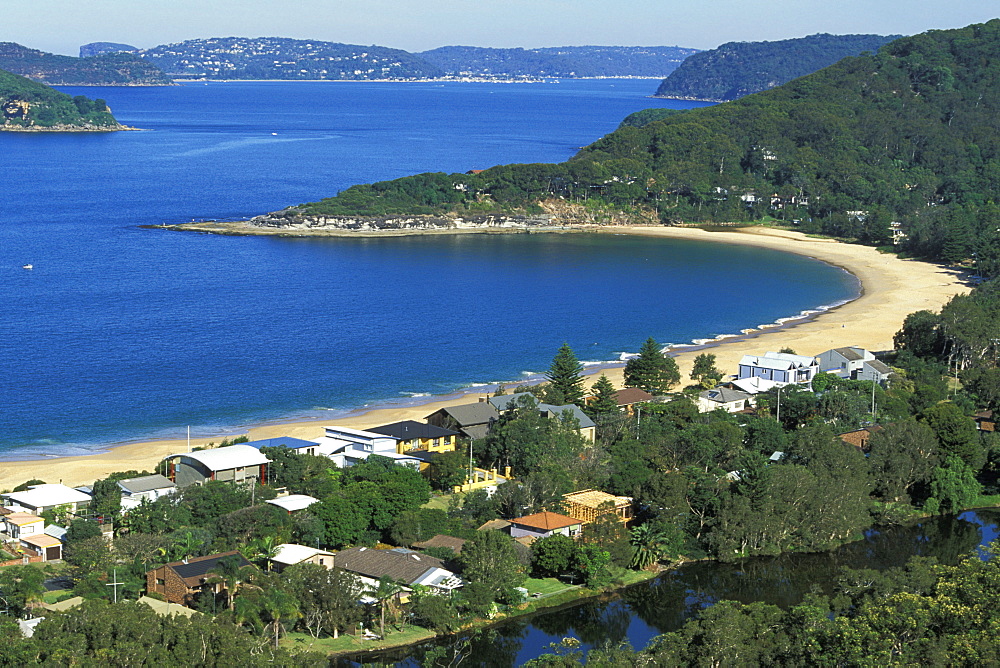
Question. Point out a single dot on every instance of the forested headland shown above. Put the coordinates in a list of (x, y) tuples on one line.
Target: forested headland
[(903, 140), (735, 69), (106, 69), (26, 105)]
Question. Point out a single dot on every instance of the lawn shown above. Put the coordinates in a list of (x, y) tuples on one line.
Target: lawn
[(545, 586), (346, 643), (442, 502)]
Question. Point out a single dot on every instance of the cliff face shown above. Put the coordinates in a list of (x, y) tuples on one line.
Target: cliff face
[(28, 106)]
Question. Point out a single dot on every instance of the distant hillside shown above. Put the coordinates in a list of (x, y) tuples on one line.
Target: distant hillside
[(115, 69), (26, 105), (736, 69), (903, 141), (281, 58), (562, 61), (99, 48)]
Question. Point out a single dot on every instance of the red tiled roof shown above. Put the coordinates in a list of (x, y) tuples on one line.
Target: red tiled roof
[(546, 521)]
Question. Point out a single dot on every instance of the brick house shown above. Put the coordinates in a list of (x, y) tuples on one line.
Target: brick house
[(180, 581)]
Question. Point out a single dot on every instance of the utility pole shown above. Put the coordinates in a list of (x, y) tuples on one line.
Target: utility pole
[(115, 584)]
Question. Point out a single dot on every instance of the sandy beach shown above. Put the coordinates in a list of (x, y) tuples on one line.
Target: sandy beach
[(892, 289)]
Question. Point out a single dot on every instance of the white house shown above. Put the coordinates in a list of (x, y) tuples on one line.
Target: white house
[(147, 487), (20, 524), (347, 446), (233, 463), (844, 362), (782, 368), (38, 499), (731, 401), (293, 502), (289, 554), (875, 370)]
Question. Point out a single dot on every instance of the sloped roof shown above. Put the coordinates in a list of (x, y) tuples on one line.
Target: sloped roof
[(293, 502), (546, 521), (290, 553), (410, 429), (146, 483), (494, 525), (880, 367), (43, 496), (194, 571), (164, 608), (632, 395), (40, 540), (503, 402), (849, 354), (229, 457), (452, 543), (466, 415), (398, 565), (724, 395)]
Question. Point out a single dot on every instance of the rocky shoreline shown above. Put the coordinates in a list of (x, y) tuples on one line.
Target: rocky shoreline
[(67, 128)]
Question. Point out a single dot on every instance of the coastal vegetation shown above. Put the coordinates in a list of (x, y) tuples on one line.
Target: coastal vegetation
[(106, 69), (28, 105), (893, 146), (735, 69)]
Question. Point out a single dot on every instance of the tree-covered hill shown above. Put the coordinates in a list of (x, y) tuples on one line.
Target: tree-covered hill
[(736, 69), (28, 105), (908, 136), (111, 69), (566, 61), (283, 58), (99, 48)]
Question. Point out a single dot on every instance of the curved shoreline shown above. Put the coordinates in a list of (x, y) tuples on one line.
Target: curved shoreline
[(891, 288)]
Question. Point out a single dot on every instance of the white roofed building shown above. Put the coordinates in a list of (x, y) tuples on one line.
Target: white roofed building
[(289, 554), (347, 446), (38, 499), (293, 502)]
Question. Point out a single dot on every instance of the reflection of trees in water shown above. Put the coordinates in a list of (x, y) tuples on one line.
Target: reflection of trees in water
[(673, 598), (592, 623)]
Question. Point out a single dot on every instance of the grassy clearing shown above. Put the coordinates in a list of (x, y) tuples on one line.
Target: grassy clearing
[(346, 643), (442, 502)]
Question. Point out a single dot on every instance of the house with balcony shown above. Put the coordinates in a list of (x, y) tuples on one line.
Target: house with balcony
[(781, 368), (233, 463), (412, 436), (346, 446)]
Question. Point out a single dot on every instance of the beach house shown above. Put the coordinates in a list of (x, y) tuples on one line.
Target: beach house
[(38, 499), (233, 463), (412, 436), (346, 447), (144, 488), (781, 368), (731, 401)]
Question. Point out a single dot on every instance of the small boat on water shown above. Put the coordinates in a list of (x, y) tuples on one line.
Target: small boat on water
[(27, 266)]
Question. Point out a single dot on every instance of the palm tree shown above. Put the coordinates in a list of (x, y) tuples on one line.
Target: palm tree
[(264, 549), (187, 546), (279, 606), (648, 544), (386, 590), (229, 572)]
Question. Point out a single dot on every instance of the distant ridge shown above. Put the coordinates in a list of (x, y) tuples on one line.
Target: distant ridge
[(100, 48), (110, 69), (736, 69), (559, 61)]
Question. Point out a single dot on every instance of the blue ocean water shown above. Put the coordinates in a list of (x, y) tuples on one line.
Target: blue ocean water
[(122, 333)]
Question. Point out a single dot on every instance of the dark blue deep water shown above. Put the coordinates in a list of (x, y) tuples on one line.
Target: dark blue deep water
[(123, 333)]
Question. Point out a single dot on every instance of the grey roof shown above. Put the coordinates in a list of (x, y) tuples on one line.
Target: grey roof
[(55, 531), (399, 565), (409, 429), (504, 401), (849, 354), (725, 395), (881, 367), (476, 431), (146, 483), (471, 414)]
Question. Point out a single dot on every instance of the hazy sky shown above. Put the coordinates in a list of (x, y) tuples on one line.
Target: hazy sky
[(62, 26)]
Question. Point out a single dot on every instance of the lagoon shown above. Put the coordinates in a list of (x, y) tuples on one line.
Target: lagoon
[(122, 333)]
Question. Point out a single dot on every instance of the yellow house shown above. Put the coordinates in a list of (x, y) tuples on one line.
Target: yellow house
[(412, 436)]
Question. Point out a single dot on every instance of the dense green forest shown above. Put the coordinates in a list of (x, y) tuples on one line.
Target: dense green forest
[(26, 104), (736, 69), (111, 69), (908, 136), (565, 61)]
